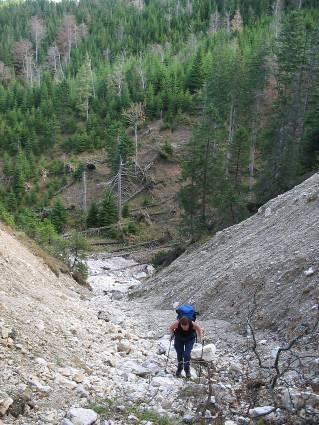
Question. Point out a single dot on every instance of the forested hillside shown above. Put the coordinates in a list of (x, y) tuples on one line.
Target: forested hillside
[(75, 76)]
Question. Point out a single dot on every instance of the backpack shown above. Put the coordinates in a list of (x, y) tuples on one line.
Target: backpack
[(186, 310)]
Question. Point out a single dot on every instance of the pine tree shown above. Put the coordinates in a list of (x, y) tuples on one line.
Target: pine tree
[(284, 151), (58, 216), (108, 210), (195, 77), (203, 175), (92, 219), (7, 165)]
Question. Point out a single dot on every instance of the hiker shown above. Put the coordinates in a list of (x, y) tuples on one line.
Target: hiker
[(184, 330)]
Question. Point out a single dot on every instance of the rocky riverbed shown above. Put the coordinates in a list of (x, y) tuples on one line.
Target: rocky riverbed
[(69, 356), (106, 363)]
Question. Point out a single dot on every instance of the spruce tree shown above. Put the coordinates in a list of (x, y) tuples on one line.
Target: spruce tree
[(58, 216), (92, 219), (108, 211)]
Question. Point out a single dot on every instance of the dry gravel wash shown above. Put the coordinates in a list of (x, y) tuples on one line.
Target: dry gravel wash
[(56, 354), (273, 254)]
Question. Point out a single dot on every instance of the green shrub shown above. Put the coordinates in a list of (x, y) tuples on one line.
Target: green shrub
[(80, 273), (114, 233), (130, 228), (56, 167), (165, 258), (166, 150), (6, 217), (146, 201)]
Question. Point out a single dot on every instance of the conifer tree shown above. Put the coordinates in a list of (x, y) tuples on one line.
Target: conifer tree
[(285, 149), (92, 219), (108, 210), (195, 78), (58, 216)]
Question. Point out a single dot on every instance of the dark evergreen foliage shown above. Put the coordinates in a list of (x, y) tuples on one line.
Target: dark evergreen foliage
[(249, 79)]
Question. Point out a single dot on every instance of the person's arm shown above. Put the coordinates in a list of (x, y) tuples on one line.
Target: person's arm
[(173, 327), (199, 331)]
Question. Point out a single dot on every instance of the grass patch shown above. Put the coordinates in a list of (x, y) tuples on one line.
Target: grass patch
[(103, 407), (114, 409), (154, 417), (54, 264)]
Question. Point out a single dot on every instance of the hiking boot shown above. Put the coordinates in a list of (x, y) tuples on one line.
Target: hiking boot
[(188, 374), (178, 373)]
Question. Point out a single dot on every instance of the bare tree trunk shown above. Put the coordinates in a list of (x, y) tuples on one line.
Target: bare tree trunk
[(60, 65), (252, 157), (227, 17), (29, 69), (204, 187), (135, 137), (237, 167), (230, 136), (252, 166), (87, 108), (169, 18), (69, 43), (84, 191), (119, 191), (36, 48), (277, 14), (92, 80)]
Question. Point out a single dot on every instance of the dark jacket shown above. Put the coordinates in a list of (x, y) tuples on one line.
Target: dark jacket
[(185, 335)]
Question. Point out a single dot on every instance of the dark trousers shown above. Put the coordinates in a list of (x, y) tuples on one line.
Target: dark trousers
[(183, 349)]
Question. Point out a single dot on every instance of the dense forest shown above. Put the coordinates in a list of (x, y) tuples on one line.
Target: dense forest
[(75, 75)]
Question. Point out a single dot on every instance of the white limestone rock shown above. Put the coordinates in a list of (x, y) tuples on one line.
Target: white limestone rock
[(268, 212), (261, 411), (81, 416), (163, 381), (133, 367), (4, 332), (124, 347), (206, 353), (41, 361), (310, 271), (34, 382)]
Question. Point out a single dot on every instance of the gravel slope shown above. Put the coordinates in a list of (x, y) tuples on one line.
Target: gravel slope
[(272, 255)]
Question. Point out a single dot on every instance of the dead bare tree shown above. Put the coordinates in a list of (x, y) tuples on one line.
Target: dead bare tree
[(38, 32), (135, 116), (208, 403), (69, 36), (5, 73), (116, 80), (291, 369), (54, 62), (24, 59)]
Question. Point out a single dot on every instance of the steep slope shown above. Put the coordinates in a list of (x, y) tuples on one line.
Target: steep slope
[(272, 256), (42, 317), (67, 353)]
